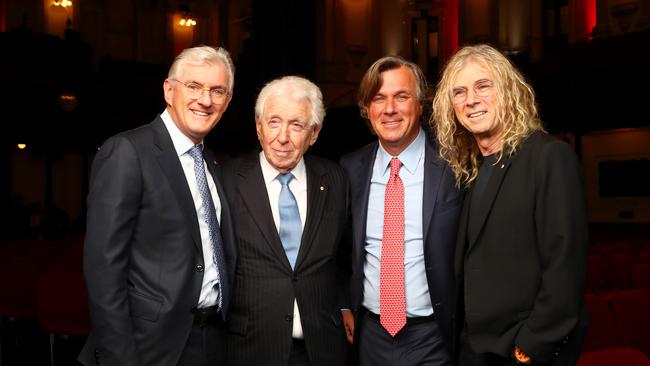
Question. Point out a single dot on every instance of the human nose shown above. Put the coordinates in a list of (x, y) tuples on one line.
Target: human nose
[(390, 106), (283, 133), (205, 98), (472, 97)]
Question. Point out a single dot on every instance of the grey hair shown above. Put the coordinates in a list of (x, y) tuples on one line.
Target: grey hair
[(298, 88), (202, 55)]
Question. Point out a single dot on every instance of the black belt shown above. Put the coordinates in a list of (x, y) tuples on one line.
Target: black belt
[(409, 321), (298, 343), (207, 316)]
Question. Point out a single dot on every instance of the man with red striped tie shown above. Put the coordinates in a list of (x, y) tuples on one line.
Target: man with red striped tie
[(405, 209)]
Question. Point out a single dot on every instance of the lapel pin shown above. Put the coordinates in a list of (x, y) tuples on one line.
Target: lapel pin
[(322, 188)]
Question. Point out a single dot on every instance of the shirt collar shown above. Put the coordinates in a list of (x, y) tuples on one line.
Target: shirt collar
[(181, 142), (410, 157), (270, 173)]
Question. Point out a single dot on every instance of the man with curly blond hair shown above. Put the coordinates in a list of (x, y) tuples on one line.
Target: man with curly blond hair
[(521, 249)]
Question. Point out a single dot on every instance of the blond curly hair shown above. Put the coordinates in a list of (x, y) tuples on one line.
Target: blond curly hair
[(516, 113)]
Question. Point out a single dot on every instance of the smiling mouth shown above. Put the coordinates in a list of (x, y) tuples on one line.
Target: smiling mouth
[(282, 152), (476, 114), (200, 113)]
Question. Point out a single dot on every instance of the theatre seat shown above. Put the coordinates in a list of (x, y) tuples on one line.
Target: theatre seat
[(631, 310), (602, 331), (614, 357)]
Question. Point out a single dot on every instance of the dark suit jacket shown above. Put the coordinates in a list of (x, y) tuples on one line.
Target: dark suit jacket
[(441, 203), (524, 275), (143, 258), (260, 322)]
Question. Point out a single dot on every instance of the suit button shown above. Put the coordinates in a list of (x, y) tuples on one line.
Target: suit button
[(199, 268), (288, 317)]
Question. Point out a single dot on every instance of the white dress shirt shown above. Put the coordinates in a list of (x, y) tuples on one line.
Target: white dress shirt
[(209, 291), (298, 186)]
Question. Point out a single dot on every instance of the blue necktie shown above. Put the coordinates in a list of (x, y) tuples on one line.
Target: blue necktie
[(210, 217), (290, 225)]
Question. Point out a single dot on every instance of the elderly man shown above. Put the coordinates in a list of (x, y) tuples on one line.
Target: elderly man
[(290, 213), (159, 248), (521, 252), (404, 210)]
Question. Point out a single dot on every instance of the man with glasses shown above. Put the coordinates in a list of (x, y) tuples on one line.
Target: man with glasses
[(522, 240), (159, 252)]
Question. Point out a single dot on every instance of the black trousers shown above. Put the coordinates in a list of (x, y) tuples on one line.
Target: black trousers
[(206, 345), (567, 354), (419, 343), (298, 355)]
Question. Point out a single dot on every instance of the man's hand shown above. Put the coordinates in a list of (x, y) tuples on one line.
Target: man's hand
[(521, 357), (348, 323)]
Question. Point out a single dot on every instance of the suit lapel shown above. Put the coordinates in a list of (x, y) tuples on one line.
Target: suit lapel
[(433, 170), (491, 191), (360, 201), (317, 191), (224, 223), (255, 196), (461, 240), (171, 166)]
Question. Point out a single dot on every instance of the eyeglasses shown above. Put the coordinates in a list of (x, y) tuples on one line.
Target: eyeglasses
[(482, 89), (195, 91)]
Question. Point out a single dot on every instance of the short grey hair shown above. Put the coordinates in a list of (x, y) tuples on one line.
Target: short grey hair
[(298, 88), (202, 55)]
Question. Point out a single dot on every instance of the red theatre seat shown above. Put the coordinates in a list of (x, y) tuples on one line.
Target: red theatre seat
[(632, 313), (614, 356), (641, 274), (602, 331)]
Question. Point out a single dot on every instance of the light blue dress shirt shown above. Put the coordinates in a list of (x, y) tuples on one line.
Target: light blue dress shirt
[(418, 301)]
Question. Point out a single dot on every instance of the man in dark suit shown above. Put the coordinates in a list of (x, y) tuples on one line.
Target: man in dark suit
[(159, 247), (521, 252), (404, 211), (290, 215)]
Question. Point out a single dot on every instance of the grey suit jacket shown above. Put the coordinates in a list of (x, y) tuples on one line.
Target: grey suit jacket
[(261, 318), (143, 258)]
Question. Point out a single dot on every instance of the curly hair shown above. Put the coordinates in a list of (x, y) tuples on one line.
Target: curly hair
[(516, 111)]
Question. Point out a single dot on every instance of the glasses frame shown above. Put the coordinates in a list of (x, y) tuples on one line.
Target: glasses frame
[(482, 89), (196, 90)]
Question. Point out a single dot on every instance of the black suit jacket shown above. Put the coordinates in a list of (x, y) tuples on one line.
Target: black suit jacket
[(441, 203), (524, 275), (261, 318), (143, 258)]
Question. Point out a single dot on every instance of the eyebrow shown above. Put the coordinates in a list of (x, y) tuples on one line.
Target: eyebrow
[(401, 91), (203, 85), (476, 82)]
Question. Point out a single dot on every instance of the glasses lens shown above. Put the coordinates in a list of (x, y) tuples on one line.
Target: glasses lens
[(218, 95), (459, 96)]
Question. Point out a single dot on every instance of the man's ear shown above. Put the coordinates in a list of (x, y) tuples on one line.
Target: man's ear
[(314, 133), (168, 91)]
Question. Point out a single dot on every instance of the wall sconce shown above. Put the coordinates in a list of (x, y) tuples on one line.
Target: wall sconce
[(186, 18), (187, 22), (68, 101), (62, 3)]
